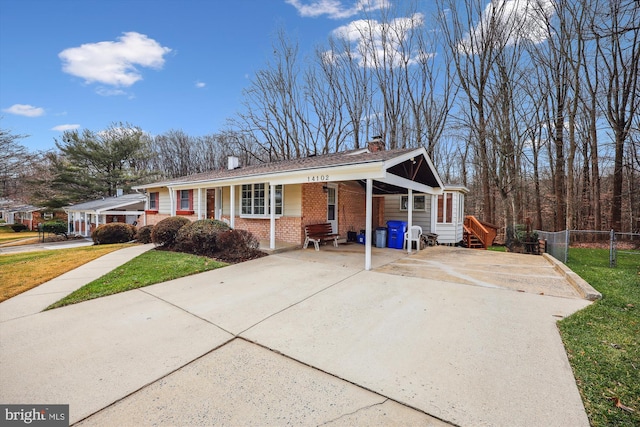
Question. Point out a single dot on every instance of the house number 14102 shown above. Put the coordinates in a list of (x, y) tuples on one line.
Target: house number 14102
[(318, 178)]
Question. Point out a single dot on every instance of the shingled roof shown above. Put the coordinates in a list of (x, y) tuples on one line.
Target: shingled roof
[(109, 203), (354, 157)]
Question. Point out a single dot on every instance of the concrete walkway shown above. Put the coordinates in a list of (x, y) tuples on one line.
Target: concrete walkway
[(297, 338), (37, 299)]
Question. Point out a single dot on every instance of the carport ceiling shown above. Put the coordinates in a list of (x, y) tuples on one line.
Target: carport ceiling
[(417, 170)]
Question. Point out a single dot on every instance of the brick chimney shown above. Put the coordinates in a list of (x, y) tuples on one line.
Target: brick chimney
[(376, 144)]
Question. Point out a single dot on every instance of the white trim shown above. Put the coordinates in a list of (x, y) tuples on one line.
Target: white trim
[(232, 211), (272, 219), (353, 172), (406, 183), (369, 219), (409, 220)]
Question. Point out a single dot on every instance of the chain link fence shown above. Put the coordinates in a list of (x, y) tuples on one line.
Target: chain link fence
[(558, 243)]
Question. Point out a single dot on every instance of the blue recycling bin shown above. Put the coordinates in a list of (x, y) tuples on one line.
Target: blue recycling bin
[(396, 230)]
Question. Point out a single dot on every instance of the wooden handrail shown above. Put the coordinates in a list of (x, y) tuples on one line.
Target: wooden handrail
[(485, 232)]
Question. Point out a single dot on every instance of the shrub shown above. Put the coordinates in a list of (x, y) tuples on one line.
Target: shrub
[(114, 232), (164, 233), (200, 237), (144, 234), (55, 227), (18, 227), (237, 245)]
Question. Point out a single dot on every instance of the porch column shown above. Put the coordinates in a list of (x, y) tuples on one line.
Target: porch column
[(218, 204), (434, 213), (199, 203), (86, 224), (410, 218), (172, 200), (68, 223), (369, 218), (272, 217), (232, 208)]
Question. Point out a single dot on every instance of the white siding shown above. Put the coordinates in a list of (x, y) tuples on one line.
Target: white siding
[(164, 202), (422, 217), (451, 233), (293, 200)]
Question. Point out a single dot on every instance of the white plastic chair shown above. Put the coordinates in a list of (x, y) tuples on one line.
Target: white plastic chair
[(413, 235)]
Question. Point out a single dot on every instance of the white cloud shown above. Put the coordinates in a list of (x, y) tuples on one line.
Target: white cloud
[(377, 42), (335, 9), (516, 19), (24, 110), (62, 128), (200, 84), (114, 62)]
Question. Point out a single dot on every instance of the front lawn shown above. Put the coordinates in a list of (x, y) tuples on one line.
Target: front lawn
[(7, 235), (23, 271), (603, 340), (151, 267)]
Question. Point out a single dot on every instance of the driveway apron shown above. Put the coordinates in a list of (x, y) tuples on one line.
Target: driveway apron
[(296, 338)]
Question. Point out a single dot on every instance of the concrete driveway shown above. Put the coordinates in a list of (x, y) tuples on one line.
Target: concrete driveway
[(303, 338)]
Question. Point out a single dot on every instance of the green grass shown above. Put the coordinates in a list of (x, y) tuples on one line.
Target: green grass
[(603, 340), (146, 269)]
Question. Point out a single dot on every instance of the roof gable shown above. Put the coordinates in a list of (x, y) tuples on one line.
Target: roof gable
[(407, 164)]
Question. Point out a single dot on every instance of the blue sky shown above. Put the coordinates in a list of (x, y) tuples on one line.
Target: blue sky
[(157, 64)]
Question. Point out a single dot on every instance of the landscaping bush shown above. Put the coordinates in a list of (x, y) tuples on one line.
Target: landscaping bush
[(237, 245), (55, 227), (144, 234), (18, 227), (200, 237), (114, 232), (165, 232)]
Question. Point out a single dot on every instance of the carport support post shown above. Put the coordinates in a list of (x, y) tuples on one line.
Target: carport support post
[(410, 219), (369, 215), (272, 219), (232, 207)]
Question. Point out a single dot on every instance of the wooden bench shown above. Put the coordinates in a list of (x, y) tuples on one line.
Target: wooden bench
[(317, 233)]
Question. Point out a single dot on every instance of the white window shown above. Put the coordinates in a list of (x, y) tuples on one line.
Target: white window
[(185, 200), (153, 201), (419, 203), (255, 200), (445, 208)]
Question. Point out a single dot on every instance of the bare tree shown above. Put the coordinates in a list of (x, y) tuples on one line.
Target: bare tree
[(275, 109), (616, 28)]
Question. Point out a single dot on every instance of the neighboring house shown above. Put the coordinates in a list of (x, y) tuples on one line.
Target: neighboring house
[(83, 218), (355, 190), (13, 212)]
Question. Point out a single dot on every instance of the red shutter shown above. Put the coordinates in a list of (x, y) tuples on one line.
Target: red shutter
[(190, 200)]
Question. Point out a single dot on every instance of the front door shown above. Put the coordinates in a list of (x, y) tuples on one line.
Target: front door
[(332, 206)]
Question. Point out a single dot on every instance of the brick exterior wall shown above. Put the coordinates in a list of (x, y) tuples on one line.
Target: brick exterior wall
[(351, 208), (287, 228), (351, 214)]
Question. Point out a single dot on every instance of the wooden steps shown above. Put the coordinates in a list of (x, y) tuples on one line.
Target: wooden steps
[(478, 234)]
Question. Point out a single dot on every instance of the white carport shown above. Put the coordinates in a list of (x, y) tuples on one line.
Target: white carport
[(380, 172)]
